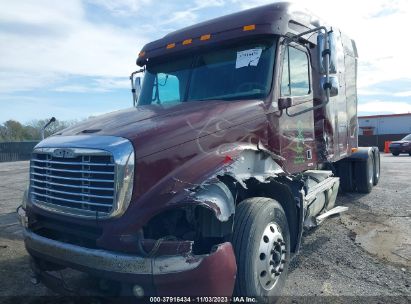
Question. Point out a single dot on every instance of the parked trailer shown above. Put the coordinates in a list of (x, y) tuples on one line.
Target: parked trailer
[(244, 129)]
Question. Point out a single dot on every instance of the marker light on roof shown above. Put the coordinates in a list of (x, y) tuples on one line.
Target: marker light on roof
[(205, 37), (141, 54), (171, 45), (187, 41), (250, 27)]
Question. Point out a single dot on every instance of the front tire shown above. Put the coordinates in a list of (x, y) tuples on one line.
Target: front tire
[(395, 153), (261, 241)]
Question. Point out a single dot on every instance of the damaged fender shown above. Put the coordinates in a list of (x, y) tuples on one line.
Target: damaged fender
[(197, 181)]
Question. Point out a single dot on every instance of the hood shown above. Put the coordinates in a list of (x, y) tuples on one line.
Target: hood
[(153, 128), (399, 142)]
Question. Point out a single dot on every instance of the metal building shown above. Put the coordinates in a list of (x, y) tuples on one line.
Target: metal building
[(375, 130), (385, 124)]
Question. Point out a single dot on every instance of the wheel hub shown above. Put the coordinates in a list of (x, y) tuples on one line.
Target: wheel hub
[(271, 259)]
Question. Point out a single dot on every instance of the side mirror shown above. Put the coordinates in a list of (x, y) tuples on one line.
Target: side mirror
[(137, 86), (333, 85), (321, 52), (327, 64)]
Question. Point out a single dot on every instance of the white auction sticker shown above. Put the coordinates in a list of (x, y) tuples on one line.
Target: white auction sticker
[(248, 58)]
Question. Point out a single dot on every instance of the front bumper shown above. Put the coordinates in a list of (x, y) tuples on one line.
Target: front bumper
[(179, 275)]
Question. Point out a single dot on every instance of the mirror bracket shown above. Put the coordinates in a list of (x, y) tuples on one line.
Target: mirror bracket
[(285, 102)]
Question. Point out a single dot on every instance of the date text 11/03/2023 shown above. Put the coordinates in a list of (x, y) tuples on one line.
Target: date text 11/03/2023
[(203, 300)]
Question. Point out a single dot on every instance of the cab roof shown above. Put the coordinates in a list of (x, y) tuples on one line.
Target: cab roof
[(280, 18)]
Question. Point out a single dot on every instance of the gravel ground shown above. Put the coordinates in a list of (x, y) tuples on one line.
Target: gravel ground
[(360, 256)]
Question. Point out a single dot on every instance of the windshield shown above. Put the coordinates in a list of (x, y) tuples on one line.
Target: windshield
[(407, 138), (239, 71)]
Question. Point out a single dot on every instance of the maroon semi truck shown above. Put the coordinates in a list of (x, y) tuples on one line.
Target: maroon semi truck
[(243, 131)]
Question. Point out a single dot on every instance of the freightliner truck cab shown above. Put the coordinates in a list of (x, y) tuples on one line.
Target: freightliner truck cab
[(243, 130)]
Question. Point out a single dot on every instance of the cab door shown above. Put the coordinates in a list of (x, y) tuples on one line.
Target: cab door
[(297, 132)]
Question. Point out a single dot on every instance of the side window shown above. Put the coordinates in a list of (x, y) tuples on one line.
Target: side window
[(295, 79), (168, 88)]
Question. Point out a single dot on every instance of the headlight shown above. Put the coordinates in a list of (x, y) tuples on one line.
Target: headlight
[(125, 181)]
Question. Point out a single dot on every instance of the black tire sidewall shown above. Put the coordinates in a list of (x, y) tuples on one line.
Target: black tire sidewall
[(268, 211), (362, 175)]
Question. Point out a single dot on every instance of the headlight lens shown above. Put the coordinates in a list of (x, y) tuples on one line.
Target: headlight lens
[(125, 181)]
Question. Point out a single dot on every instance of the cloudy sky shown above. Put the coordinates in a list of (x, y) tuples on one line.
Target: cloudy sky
[(71, 59)]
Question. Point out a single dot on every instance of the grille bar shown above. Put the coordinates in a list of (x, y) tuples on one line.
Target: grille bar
[(69, 200), (72, 171), (73, 193), (74, 178), (72, 186), (71, 163)]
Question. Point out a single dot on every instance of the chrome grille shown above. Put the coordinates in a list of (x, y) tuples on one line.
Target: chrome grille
[(83, 182)]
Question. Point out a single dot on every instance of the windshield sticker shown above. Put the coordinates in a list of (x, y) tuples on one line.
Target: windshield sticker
[(248, 58)]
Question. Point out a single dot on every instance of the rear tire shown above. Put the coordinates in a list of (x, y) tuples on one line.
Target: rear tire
[(261, 241), (364, 174)]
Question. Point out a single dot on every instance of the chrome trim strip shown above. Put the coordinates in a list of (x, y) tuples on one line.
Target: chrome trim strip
[(72, 186), (77, 194), (72, 171), (75, 178), (73, 201), (106, 260), (72, 163)]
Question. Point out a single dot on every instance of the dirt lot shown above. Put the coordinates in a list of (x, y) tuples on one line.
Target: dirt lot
[(364, 255)]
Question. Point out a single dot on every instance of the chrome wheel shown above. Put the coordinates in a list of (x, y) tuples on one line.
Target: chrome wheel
[(371, 172), (271, 257)]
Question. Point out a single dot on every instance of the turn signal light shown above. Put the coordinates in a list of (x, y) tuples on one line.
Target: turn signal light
[(205, 37), (250, 27)]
